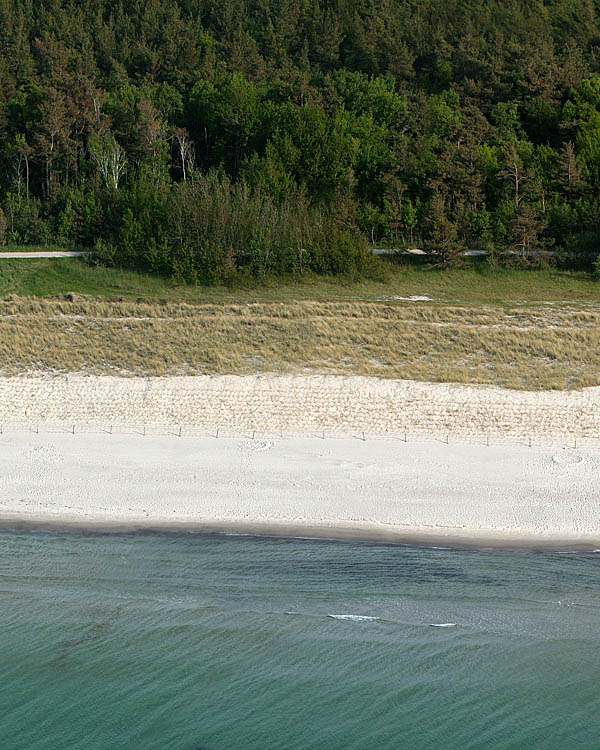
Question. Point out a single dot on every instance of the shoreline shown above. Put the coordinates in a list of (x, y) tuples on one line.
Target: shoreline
[(431, 493), (442, 539)]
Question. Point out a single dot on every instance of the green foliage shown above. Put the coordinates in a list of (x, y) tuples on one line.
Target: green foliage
[(355, 121), (66, 220), (212, 229)]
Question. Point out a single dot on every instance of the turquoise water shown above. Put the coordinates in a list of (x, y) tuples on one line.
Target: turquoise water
[(184, 642)]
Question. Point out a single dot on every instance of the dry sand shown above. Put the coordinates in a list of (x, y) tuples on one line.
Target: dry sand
[(423, 489), (301, 404), (380, 489)]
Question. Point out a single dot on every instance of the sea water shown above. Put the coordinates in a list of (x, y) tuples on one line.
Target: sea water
[(189, 642)]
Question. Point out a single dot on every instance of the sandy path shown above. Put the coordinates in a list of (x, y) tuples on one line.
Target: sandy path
[(382, 489), (44, 254)]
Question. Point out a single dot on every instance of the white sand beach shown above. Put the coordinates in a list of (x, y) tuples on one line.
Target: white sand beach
[(380, 489), (311, 483)]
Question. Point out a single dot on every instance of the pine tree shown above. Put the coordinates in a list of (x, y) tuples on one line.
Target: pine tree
[(515, 172), (441, 232), (569, 170), (526, 228)]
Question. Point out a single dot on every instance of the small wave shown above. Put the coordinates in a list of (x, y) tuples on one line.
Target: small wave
[(442, 624), (355, 618)]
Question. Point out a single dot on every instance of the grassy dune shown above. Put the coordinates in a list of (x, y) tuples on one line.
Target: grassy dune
[(521, 330)]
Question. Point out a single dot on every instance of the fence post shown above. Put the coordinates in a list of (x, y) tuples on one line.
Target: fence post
[(179, 430), (73, 429), (530, 441)]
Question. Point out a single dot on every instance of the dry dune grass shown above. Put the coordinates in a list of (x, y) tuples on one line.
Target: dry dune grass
[(529, 347)]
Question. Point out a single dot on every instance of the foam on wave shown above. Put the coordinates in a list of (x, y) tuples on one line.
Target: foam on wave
[(356, 618)]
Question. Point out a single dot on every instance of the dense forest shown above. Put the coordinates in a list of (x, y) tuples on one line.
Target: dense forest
[(204, 139)]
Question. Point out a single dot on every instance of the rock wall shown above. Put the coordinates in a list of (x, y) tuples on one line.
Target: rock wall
[(299, 404)]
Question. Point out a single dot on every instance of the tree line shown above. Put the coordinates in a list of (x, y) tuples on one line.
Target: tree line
[(204, 139)]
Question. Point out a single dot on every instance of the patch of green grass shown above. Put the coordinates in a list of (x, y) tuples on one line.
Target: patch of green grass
[(485, 286), (51, 277), (47, 277)]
